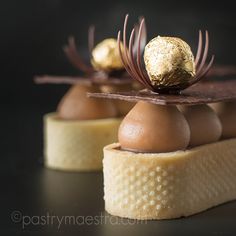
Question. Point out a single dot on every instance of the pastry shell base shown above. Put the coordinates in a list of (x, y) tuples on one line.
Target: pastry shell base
[(77, 145), (168, 185)]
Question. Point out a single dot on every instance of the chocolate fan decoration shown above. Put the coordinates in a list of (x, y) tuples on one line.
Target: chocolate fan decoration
[(74, 57), (91, 74), (137, 72)]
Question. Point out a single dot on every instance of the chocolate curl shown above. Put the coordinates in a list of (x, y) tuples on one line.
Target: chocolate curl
[(143, 36), (74, 57), (202, 67), (127, 55)]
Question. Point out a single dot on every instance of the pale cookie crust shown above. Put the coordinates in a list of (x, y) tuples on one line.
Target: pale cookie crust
[(77, 145), (169, 185)]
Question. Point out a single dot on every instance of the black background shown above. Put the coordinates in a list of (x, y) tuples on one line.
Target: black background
[(32, 33)]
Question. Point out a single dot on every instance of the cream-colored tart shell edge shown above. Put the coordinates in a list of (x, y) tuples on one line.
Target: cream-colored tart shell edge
[(168, 185), (77, 145)]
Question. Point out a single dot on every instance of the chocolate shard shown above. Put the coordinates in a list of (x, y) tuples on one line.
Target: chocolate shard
[(200, 93), (48, 79)]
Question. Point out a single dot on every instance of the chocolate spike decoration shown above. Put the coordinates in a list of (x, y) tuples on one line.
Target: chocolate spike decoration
[(91, 31), (137, 72), (143, 37), (75, 59)]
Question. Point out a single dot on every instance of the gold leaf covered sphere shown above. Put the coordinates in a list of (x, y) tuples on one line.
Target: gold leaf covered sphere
[(169, 61), (106, 57)]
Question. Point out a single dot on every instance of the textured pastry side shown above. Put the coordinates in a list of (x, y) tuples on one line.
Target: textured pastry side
[(77, 145), (169, 185)]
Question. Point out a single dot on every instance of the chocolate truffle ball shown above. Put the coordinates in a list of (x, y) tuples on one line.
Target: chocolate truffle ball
[(169, 61), (105, 56)]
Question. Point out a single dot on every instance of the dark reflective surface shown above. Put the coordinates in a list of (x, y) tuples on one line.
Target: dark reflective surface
[(76, 199)]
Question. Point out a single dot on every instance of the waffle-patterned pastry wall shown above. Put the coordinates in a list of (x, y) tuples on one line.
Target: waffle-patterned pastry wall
[(169, 185)]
